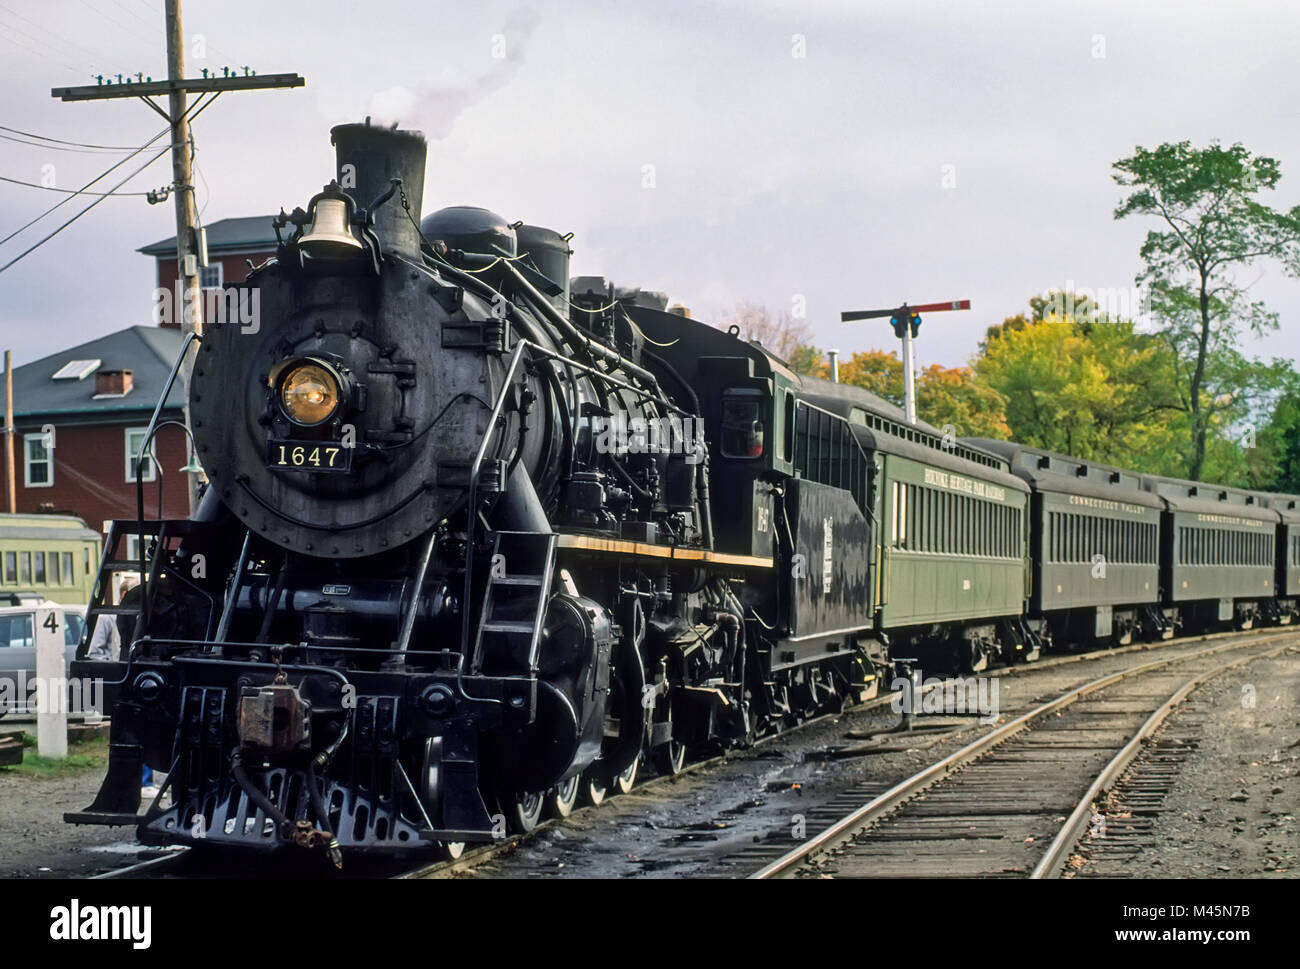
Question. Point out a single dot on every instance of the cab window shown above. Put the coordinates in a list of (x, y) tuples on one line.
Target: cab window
[(742, 425)]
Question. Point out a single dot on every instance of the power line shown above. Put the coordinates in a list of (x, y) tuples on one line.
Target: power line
[(51, 147), (129, 11), (86, 186), (34, 247), (66, 191), (67, 43), (60, 141), (215, 48), (117, 23), (57, 59)]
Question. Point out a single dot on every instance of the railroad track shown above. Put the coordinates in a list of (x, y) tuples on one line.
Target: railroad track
[(183, 863), (1015, 801)]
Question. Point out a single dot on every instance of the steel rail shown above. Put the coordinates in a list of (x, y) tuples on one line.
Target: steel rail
[(847, 827), (1054, 859)]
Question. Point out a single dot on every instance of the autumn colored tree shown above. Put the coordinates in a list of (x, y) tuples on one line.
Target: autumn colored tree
[(944, 396), (878, 371)]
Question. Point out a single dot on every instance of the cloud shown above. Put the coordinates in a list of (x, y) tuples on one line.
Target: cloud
[(434, 104)]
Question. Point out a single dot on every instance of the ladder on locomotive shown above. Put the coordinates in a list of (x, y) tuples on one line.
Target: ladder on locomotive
[(156, 533), (515, 596), (114, 559)]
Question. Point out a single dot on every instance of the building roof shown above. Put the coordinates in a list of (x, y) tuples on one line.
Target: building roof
[(149, 352), (251, 233)]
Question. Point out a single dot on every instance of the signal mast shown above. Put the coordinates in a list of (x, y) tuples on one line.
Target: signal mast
[(906, 320)]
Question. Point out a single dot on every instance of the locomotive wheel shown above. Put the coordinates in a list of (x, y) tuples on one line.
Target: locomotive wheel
[(562, 797), (431, 790), (592, 790), (669, 758), (524, 811), (624, 781)]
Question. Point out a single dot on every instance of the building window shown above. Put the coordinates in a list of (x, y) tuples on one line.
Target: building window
[(38, 461), (210, 277), (11, 568), (25, 568), (38, 567), (134, 438), (65, 568)]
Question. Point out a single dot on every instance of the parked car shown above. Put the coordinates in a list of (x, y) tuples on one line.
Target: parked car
[(18, 651)]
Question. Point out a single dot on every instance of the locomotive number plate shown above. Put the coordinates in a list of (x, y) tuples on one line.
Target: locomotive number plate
[(320, 456)]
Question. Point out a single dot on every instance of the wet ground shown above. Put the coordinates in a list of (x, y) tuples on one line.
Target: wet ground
[(730, 818), (719, 820)]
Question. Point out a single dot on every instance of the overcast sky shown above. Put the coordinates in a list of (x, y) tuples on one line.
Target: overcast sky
[(853, 154)]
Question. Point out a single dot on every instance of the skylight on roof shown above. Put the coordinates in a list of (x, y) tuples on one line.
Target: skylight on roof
[(76, 370)]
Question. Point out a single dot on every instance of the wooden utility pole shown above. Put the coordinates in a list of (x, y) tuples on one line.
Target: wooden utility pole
[(190, 309), (10, 484)]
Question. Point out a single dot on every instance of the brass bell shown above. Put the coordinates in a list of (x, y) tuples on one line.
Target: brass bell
[(330, 224)]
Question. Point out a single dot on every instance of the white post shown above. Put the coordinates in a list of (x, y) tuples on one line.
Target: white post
[(909, 376), (52, 685), (835, 365)]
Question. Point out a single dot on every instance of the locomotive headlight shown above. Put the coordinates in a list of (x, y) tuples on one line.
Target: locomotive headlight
[(309, 393)]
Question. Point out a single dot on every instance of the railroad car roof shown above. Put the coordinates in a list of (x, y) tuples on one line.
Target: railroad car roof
[(879, 425), (45, 526), (1287, 506), (1180, 494), (1050, 471)]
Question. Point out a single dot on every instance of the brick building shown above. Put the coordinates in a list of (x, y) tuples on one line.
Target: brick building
[(232, 245), (97, 399)]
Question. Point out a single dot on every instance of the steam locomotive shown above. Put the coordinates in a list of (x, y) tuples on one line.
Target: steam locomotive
[(479, 538)]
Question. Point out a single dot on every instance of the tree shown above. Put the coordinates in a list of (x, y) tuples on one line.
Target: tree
[(878, 371), (1088, 386), (954, 397), (1213, 226), (944, 396), (784, 335)]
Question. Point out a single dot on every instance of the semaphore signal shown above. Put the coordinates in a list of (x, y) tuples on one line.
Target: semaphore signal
[(906, 320)]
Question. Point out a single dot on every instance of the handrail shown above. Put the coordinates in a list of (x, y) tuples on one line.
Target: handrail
[(475, 468), (139, 477)]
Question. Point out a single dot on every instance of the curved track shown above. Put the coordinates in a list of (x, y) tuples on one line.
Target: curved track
[(847, 813), (1015, 801)]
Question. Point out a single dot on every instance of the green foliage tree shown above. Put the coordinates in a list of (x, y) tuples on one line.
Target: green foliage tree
[(1087, 386), (954, 396), (1213, 225)]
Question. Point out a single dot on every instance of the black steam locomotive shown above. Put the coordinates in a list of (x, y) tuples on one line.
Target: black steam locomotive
[(458, 555), (479, 538)]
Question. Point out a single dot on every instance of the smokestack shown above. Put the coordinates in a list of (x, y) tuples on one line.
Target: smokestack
[(368, 159), (835, 365)]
